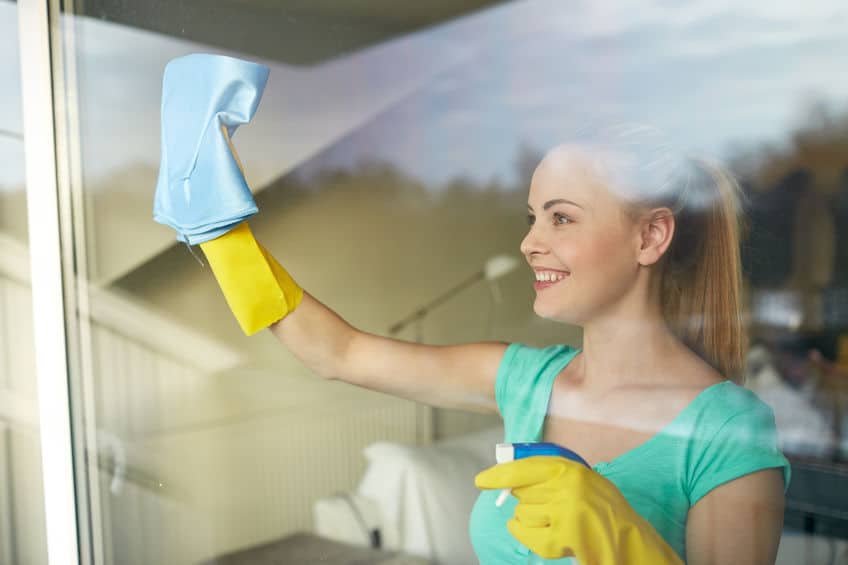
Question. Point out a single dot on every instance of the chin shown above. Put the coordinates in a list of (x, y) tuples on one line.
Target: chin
[(555, 313)]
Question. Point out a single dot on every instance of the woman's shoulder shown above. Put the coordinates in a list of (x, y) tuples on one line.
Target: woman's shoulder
[(735, 435), (728, 408), (718, 398), (734, 399), (714, 402), (520, 354), (524, 365)]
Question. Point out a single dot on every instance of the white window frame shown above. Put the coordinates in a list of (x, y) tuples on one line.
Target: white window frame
[(49, 319)]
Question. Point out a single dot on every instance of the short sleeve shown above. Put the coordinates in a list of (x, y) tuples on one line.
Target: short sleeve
[(523, 387), (510, 362), (745, 443)]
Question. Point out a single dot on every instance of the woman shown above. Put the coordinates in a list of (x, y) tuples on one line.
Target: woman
[(649, 268), (640, 248)]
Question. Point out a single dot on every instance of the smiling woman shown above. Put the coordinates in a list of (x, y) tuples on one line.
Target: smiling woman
[(616, 248)]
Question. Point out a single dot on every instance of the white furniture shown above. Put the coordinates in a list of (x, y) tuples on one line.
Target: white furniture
[(419, 499)]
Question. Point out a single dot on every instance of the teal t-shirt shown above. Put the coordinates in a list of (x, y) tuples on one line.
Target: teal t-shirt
[(724, 433)]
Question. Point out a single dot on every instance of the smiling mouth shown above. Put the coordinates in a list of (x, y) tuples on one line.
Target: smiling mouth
[(541, 284)]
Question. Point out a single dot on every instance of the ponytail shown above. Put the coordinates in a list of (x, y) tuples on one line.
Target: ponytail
[(702, 278)]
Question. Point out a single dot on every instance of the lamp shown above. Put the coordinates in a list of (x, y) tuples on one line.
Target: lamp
[(493, 269)]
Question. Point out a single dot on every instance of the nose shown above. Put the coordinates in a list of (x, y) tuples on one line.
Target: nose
[(531, 244)]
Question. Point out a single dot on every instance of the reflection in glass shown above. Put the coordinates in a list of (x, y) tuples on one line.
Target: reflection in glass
[(390, 161)]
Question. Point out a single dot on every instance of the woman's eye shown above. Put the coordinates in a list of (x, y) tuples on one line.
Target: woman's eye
[(531, 219), (560, 219)]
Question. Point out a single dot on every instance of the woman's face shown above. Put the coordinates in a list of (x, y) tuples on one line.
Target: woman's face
[(580, 243)]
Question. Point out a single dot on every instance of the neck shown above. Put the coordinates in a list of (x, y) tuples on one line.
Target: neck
[(631, 346)]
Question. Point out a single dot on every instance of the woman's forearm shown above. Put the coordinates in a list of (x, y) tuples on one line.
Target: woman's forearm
[(317, 336)]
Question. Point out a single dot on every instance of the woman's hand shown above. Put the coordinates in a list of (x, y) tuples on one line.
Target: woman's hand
[(568, 510)]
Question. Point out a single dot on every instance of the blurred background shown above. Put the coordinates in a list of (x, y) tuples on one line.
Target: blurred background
[(390, 159)]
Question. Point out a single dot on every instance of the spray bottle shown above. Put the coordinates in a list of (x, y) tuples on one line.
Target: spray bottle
[(505, 452)]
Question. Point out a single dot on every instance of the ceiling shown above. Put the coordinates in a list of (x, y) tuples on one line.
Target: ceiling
[(297, 32)]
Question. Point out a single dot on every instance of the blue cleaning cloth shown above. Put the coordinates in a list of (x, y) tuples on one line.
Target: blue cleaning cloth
[(201, 191)]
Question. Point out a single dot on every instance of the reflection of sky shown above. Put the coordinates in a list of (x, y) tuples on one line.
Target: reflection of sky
[(11, 149), (458, 99), (708, 74)]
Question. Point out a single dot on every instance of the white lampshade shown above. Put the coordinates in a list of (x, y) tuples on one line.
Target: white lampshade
[(498, 266)]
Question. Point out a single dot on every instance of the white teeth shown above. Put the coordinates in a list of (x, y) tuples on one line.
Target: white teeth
[(549, 276)]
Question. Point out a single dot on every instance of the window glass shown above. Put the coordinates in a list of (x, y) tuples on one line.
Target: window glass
[(390, 158)]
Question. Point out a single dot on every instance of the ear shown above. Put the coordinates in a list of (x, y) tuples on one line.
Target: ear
[(657, 229)]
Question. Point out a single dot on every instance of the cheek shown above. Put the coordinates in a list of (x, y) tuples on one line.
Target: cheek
[(600, 255), (603, 268)]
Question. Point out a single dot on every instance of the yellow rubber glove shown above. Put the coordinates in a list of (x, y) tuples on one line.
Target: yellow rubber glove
[(257, 288), (568, 510)]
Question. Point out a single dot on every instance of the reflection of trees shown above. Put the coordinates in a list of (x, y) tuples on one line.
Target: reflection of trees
[(797, 233), (375, 180), (819, 145), (526, 158)]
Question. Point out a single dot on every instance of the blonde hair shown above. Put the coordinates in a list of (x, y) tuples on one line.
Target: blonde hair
[(701, 271), (701, 285)]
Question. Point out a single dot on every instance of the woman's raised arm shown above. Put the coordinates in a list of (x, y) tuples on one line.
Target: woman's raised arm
[(448, 376)]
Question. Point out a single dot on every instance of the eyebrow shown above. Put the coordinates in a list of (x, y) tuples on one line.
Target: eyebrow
[(550, 203)]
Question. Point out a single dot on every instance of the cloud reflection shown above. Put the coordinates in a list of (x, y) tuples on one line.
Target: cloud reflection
[(709, 72)]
